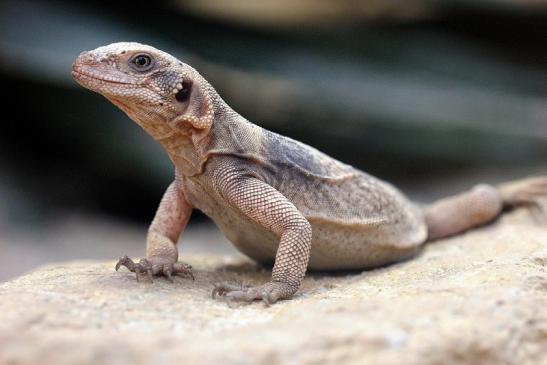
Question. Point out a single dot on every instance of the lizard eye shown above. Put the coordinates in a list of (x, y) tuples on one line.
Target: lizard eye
[(141, 62)]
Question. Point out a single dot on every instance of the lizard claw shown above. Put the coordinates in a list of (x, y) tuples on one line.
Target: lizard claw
[(151, 269), (124, 260), (167, 270), (181, 269), (144, 266)]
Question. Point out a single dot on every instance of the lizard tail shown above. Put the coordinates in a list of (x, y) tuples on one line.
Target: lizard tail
[(481, 205)]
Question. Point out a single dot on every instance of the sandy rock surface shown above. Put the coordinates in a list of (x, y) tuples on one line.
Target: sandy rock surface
[(480, 298)]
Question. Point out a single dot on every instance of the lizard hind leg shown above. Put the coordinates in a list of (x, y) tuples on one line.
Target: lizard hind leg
[(481, 205)]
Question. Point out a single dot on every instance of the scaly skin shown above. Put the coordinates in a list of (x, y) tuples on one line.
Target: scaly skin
[(266, 192)]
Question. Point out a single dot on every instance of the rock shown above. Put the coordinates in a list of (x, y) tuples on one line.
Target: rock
[(479, 298)]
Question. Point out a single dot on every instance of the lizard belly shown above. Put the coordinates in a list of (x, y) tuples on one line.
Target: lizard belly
[(249, 238), (337, 247), (334, 246)]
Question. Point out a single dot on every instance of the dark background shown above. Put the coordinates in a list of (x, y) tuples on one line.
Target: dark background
[(434, 96)]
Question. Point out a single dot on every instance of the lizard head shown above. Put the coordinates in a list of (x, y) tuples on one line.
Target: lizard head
[(160, 93)]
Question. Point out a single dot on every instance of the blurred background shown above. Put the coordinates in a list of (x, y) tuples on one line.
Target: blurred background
[(434, 96)]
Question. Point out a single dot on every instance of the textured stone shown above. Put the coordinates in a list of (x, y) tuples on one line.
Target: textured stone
[(480, 298)]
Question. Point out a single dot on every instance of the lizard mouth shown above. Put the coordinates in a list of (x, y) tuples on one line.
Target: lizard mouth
[(88, 75), (116, 86), (82, 77)]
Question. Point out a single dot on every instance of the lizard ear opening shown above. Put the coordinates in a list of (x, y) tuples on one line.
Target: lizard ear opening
[(184, 94), (196, 106)]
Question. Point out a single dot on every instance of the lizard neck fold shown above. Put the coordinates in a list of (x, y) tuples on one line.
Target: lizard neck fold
[(185, 151), (230, 134)]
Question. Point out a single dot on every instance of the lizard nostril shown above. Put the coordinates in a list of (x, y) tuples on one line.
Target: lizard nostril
[(86, 58), (86, 55)]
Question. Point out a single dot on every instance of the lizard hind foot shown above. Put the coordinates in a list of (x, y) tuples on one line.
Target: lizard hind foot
[(524, 192), (151, 269), (269, 293)]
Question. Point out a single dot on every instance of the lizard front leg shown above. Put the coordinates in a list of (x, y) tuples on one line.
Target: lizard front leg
[(266, 206), (161, 251)]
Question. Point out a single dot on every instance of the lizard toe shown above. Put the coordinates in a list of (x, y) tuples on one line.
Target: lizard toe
[(125, 261), (222, 289), (183, 270)]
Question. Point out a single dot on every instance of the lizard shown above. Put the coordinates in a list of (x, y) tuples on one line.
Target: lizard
[(279, 201)]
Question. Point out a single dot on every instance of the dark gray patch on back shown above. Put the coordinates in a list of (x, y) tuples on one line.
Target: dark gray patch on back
[(288, 154)]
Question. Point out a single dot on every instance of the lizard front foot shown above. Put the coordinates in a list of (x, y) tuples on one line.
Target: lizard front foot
[(269, 293), (151, 268)]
